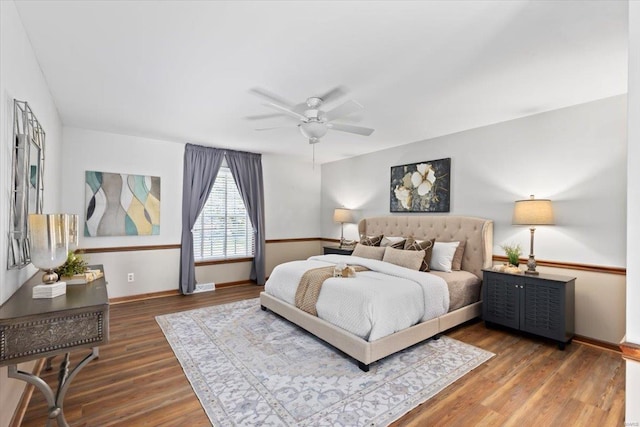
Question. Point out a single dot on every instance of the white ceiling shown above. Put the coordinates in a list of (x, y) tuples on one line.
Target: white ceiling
[(181, 70)]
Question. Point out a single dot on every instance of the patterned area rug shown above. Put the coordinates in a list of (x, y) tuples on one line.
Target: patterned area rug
[(251, 367)]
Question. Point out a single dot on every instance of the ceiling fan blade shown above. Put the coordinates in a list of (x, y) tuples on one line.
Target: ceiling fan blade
[(333, 94), (287, 111), (275, 127), (265, 116), (272, 97), (343, 110), (300, 108), (350, 128)]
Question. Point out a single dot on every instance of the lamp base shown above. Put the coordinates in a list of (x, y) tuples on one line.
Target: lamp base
[(531, 265), (49, 291)]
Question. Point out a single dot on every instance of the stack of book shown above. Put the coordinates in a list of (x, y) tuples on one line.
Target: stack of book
[(49, 291), (81, 279)]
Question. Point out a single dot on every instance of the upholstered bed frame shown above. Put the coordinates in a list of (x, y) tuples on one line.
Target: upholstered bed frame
[(477, 232)]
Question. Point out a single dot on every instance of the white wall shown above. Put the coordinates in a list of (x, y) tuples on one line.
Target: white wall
[(574, 156), (292, 200), (633, 213), (291, 197), (633, 177), (21, 78)]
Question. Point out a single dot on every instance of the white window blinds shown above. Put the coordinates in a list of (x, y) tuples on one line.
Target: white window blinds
[(223, 229)]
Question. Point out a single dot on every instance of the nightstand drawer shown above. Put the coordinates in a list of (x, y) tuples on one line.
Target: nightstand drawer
[(337, 250)]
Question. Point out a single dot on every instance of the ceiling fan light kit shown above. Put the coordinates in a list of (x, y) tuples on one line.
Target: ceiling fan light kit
[(313, 129), (314, 122)]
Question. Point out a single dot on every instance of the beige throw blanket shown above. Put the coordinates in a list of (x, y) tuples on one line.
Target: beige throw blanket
[(310, 284)]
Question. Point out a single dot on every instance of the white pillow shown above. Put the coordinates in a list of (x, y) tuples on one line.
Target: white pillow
[(442, 256)]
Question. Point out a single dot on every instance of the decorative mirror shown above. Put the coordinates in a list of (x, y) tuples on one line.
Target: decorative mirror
[(27, 189)]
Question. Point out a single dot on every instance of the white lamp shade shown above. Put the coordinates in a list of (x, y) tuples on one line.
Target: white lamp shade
[(533, 212), (48, 240), (342, 215)]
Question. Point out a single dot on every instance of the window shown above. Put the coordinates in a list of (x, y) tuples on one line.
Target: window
[(223, 229)]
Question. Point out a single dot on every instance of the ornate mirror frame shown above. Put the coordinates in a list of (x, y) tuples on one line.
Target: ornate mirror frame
[(27, 181)]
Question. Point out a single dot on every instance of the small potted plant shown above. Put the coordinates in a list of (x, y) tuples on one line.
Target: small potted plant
[(513, 253), (74, 269)]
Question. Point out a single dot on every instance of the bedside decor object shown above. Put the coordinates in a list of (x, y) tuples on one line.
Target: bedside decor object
[(513, 253), (342, 215), (73, 270), (49, 243), (506, 268), (533, 212), (343, 270), (82, 279), (421, 187)]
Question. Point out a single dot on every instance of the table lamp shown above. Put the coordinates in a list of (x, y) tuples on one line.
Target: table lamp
[(74, 231), (342, 215), (49, 243), (532, 212)]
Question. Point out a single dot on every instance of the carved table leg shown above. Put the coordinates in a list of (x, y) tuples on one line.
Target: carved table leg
[(54, 402), (47, 366)]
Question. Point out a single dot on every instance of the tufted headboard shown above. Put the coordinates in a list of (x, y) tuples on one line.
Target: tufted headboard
[(477, 232)]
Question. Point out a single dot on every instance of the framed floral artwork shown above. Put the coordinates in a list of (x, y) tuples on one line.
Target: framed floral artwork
[(421, 187)]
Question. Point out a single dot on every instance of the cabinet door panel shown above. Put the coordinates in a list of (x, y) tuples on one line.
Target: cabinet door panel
[(543, 309), (501, 301)]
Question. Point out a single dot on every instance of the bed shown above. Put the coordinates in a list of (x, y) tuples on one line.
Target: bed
[(369, 347)]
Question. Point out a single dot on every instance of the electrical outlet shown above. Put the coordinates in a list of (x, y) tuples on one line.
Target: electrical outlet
[(130, 277)]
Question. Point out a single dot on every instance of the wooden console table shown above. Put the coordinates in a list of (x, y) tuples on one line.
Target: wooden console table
[(36, 328)]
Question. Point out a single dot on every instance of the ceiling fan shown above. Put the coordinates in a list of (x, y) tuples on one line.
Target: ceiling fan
[(313, 121)]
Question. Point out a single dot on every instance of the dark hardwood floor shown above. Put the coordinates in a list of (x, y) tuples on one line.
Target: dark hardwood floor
[(138, 380)]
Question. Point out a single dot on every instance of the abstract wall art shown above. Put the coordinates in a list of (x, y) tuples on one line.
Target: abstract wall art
[(421, 187), (120, 204)]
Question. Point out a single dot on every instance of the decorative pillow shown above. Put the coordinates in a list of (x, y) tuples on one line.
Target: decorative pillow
[(456, 263), (393, 241), (421, 245), (442, 256), (408, 259), (370, 240), (364, 251)]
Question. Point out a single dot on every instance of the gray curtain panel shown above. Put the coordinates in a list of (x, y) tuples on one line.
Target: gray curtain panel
[(246, 169), (201, 166)]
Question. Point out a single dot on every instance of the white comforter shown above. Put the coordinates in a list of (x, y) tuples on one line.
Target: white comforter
[(372, 305)]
